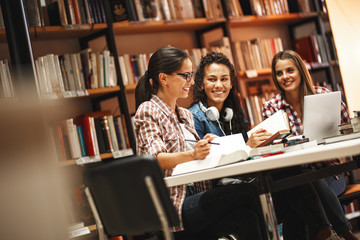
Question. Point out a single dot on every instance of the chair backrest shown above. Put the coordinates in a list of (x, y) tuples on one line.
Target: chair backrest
[(121, 196)]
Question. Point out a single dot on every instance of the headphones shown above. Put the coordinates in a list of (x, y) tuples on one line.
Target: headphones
[(213, 114)]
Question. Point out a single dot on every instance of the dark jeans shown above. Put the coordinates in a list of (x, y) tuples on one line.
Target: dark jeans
[(332, 207), (299, 209), (230, 209)]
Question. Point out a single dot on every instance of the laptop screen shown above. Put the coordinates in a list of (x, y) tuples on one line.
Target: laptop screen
[(322, 115)]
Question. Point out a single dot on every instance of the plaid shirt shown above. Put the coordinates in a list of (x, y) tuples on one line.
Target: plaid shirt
[(278, 102), (157, 131)]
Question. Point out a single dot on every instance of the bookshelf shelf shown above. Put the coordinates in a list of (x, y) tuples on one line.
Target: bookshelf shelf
[(92, 227), (164, 26), (251, 21), (100, 91), (260, 73), (353, 215), (73, 162), (130, 88), (60, 32)]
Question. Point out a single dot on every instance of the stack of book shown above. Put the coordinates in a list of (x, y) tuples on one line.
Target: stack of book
[(347, 131), (169, 10), (312, 50), (132, 67), (254, 106), (89, 136), (6, 81), (75, 12), (256, 53), (70, 75), (355, 121), (266, 7)]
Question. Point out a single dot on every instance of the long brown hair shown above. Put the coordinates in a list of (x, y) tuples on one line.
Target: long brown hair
[(307, 83)]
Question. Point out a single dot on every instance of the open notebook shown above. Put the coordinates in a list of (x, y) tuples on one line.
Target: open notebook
[(231, 149)]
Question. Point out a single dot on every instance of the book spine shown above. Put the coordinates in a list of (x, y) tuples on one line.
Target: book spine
[(117, 131), (106, 133), (114, 141), (94, 136), (81, 140), (100, 136), (60, 143)]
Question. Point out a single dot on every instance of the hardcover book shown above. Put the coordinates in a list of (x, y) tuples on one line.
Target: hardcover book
[(231, 148), (119, 10), (277, 124)]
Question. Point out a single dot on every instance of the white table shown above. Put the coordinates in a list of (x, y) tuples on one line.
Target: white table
[(309, 155)]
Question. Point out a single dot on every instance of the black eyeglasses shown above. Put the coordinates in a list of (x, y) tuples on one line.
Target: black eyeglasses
[(188, 76)]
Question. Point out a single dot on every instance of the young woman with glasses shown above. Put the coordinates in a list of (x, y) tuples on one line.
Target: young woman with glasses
[(161, 129)]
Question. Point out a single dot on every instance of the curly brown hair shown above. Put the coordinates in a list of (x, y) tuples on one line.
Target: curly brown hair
[(239, 123)]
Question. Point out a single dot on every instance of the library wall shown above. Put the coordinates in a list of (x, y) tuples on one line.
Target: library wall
[(344, 18), (269, 31), (145, 43)]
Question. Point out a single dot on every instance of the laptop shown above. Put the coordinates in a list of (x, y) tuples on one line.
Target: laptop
[(322, 115)]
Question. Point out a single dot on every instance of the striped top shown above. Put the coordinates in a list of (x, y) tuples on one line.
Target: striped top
[(158, 130)]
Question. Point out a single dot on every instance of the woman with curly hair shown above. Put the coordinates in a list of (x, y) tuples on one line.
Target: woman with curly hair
[(216, 110)]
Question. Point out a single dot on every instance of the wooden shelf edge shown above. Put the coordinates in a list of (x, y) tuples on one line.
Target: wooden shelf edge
[(97, 91), (260, 73), (92, 227), (127, 27), (72, 162), (130, 88), (270, 19)]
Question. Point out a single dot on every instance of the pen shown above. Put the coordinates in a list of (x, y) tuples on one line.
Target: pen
[(267, 154), (191, 140)]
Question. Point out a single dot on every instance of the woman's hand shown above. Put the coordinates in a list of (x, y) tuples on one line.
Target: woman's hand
[(258, 137), (202, 149), (210, 137)]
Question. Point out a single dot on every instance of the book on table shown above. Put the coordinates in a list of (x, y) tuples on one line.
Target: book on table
[(342, 137), (277, 124), (231, 149)]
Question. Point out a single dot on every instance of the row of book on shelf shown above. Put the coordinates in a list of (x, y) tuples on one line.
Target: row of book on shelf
[(6, 83), (132, 67), (77, 12), (62, 12), (312, 49), (86, 137), (70, 75), (256, 53), (254, 106), (168, 10), (271, 7), (351, 210), (174, 10)]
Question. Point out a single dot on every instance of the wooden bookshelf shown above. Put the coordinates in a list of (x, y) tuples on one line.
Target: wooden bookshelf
[(130, 88), (60, 32), (72, 162), (127, 27), (101, 91), (260, 73), (251, 20), (92, 227)]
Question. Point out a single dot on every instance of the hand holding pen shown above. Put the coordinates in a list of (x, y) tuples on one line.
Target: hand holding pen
[(202, 147)]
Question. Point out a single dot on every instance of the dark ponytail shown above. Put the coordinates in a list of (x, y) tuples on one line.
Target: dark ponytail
[(165, 60)]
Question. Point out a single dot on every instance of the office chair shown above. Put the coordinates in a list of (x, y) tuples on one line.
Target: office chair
[(129, 196)]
